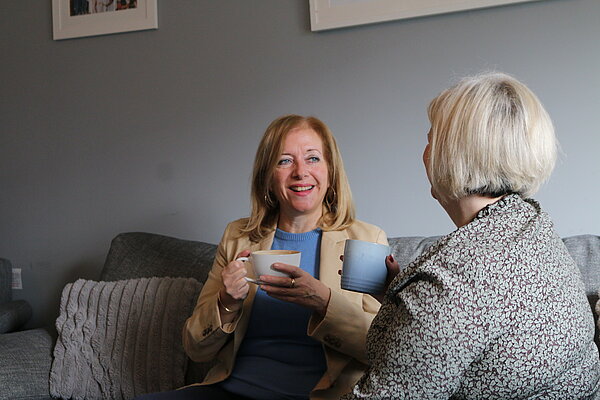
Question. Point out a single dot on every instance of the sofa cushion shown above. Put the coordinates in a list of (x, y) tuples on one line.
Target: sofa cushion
[(25, 362), (143, 255), (122, 338), (407, 248), (585, 250)]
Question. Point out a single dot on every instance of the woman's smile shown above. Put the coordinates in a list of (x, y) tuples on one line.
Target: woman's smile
[(302, 189)]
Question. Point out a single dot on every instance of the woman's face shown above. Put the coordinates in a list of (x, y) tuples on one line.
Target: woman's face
[(300, 180)]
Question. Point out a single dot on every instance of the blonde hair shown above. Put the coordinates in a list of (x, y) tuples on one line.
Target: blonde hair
[(338, 207), (490, 135)]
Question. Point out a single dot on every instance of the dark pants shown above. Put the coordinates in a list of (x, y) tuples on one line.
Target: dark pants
[(193, 393)]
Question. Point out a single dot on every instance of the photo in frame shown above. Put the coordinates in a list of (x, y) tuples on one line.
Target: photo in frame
[(330, 14), (79, 18)]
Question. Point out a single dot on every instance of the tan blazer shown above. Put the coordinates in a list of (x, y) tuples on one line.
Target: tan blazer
[(342, 331)]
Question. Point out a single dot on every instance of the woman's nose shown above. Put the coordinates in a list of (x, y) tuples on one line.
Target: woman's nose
[(300, 171)]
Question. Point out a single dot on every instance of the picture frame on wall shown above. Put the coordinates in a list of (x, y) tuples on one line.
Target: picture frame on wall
[(79, 18), (330, 14)]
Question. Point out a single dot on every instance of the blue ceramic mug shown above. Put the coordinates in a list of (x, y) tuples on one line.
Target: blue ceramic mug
[(364, 267)]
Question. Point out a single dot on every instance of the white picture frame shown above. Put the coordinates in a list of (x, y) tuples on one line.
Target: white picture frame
[(330, 14), (67, 25)]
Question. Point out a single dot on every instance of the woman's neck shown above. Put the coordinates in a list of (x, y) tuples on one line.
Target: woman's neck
[(298, 224), (464, 210)]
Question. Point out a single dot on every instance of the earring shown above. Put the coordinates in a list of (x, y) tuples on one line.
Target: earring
[(330, 199), (269, 201)]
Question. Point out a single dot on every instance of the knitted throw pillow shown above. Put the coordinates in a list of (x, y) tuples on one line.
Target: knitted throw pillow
[(120, 339)]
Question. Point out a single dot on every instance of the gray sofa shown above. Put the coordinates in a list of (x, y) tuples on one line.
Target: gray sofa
[(26, 356)]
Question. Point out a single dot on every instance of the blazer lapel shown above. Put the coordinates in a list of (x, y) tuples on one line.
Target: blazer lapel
[(267, 241), (332, 247)]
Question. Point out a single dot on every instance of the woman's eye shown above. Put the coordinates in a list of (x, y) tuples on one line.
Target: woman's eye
[(313, 159), (284, 162)]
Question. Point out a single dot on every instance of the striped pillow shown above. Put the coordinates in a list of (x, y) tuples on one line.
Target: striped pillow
[(120, 339)]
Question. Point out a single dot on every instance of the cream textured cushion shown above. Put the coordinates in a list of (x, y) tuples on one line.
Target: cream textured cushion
[(119, 339)]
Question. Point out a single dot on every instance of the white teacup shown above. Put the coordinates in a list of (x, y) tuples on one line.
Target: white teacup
[(262, 260), (364, 267)]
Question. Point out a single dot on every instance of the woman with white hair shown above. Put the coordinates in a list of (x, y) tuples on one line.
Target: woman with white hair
[(495, 309)]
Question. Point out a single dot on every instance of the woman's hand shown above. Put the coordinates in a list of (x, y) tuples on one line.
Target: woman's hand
[(392, 270), (299, 288), (235, 286)]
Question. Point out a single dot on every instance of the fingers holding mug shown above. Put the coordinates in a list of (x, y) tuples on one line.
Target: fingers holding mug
[(300, 288), (261, 263), (287, 278), (233, 278)]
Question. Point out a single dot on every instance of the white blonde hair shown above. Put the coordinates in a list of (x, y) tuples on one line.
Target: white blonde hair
[(490, 135)]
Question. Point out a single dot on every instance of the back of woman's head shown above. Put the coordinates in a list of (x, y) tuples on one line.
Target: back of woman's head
[(490, 135)]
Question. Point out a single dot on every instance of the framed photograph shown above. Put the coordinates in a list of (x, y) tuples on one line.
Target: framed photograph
[(329, 14), (77, 18)]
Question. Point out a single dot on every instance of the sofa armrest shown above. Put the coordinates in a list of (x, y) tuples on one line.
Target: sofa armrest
[(13, 315)]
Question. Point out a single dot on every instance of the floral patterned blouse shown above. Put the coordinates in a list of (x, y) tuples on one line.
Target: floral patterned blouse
[(494, 310)]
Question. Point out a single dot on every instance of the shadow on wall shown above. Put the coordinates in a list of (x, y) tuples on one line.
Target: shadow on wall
[(46, 310)]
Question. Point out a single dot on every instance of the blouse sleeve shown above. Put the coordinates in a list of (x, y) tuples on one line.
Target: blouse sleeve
[(429, 330)]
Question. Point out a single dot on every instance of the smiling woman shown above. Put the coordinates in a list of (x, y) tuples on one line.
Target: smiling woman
[(302, 324), (300, 180)]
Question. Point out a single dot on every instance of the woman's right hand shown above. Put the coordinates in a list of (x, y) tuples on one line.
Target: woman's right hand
[(233, 276), (392, 270)]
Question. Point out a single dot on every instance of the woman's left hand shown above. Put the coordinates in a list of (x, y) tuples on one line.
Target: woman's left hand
[(300, 288)]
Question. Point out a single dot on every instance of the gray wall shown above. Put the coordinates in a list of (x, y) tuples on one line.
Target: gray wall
[(156, 130)]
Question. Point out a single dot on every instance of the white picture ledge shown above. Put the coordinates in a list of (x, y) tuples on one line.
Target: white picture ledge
[(330, 14)]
